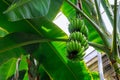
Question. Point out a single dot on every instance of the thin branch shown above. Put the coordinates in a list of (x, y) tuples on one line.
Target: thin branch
[(114, 43)]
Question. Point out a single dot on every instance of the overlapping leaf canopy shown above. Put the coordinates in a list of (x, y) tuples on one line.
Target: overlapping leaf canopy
[(28, 34)]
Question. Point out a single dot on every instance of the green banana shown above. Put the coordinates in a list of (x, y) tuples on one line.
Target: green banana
[(73, 48), (78, 26), (78, 42)]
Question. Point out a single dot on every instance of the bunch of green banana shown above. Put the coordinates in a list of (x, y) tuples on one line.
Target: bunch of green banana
[(78, 25), (78, 42), (75, 50), (78, 36)]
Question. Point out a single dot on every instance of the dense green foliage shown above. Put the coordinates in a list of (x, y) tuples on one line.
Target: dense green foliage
[(33, 47)]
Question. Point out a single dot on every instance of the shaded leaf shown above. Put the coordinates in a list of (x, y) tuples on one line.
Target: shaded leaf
[(11, 27), (3, 32), (23, 13), (11, 45), (14, 53), (43, 74), (14, 40), (26, 9), (54, 8)]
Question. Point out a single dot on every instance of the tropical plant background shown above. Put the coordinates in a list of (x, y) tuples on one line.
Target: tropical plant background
[(32, 47)]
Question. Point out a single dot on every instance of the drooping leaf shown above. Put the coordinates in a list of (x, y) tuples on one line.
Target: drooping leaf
[(8, 69), (27, 9), (11, 27)]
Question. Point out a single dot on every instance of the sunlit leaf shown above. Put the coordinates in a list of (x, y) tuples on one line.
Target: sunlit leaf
[(69, 12), (57, 67), (95, 75), (7, 69)]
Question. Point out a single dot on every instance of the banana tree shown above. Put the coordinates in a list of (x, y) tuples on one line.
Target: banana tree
[(32, 47)]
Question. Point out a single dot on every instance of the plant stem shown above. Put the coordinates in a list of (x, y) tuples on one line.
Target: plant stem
[(108, 10), (30, 42), (101, 22), (114, 42), (98, 29), (100, 47)]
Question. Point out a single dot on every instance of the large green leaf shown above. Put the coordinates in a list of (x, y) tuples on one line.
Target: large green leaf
[(8, 69), (58, 68), (11, 27), (26, 9), (68, 10), (93, 36)]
